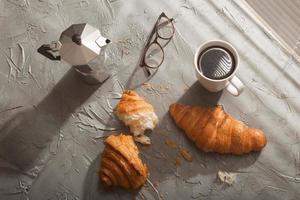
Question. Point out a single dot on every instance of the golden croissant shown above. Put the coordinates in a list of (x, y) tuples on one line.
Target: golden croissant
[(121, 165), (213, 130), (136, 113)]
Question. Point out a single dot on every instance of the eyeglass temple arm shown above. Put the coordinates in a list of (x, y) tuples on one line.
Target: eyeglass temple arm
[(165, 23)]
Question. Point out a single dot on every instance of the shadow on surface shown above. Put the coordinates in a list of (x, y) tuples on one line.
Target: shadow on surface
[(142, 72), (160, 154), (25, 136), (161, 158), (198, 96), (138, 75)]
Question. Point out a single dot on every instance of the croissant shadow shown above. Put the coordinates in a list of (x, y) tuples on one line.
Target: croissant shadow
[(161, 158), (25, 136)]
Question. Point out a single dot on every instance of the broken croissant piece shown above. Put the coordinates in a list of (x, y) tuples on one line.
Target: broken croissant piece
[(136, 113), (213, 130), (121, 165)]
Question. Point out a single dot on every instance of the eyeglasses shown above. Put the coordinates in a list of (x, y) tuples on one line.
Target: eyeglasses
[(152, 56), (161, 34)]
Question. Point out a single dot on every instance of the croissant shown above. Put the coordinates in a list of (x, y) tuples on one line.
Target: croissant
[(121, 165), (213, 130), (136, 113)]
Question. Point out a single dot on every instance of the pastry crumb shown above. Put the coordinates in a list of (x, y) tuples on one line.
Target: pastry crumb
[(178, 161), (186, 154), (143, 139), (171, 143), (226, 177)]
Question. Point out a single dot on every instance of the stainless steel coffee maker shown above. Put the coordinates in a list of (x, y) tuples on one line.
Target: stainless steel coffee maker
[(82, 46)]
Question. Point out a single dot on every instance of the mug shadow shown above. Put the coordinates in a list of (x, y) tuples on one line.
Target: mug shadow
[(206, 98), (26, 135)]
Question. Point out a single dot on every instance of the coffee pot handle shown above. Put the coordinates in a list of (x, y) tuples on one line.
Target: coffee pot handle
[(48, 50)]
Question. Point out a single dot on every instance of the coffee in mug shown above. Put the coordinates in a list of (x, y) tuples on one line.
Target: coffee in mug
[(216, 63)]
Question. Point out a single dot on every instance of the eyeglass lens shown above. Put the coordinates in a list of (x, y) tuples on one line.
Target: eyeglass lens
[(165, 28)]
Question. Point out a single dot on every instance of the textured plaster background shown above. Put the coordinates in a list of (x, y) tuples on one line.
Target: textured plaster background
[(52, 123)]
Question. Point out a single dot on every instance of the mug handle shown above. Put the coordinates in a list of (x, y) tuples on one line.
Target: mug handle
[(235, 86)]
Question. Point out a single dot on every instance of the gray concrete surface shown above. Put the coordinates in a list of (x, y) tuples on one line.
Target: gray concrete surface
[(50, 141)]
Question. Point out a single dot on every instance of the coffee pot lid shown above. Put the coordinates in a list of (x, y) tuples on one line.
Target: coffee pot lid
[(81, 43)]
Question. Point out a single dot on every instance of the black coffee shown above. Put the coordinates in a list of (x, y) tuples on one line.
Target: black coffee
[(216, 63)]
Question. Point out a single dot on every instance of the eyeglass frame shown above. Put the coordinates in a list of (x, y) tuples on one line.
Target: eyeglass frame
[(155, 41)]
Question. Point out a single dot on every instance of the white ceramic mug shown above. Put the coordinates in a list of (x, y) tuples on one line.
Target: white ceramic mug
[(231, 83)]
